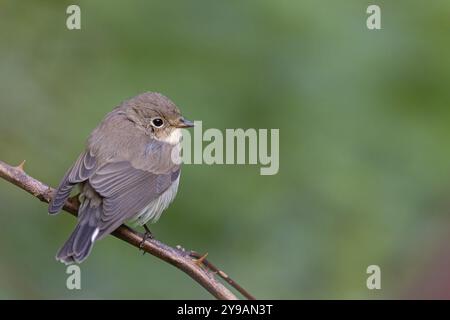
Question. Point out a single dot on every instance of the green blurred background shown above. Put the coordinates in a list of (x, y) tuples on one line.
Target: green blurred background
[(364, 127)]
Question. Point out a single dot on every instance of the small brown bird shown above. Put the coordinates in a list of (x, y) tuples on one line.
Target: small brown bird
[(126, 173)]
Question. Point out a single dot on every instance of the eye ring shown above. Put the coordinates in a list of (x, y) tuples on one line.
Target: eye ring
[(157, 122)]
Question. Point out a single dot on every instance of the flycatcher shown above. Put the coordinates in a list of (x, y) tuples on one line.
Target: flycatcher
[(126, 172)]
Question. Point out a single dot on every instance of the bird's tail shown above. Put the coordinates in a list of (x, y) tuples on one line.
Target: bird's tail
[(79, 245)]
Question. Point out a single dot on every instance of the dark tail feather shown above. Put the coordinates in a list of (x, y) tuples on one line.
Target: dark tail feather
[(79, 245)]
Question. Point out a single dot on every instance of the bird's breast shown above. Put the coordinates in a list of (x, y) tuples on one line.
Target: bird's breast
[(152, 212)]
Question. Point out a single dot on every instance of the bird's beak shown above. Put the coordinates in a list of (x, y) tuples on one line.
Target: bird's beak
[(184, 123)]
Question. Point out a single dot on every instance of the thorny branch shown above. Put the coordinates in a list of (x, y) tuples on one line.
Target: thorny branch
[(190, 262)]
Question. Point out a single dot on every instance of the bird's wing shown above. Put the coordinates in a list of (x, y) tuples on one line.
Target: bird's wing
[(126, 191), (81, 170)]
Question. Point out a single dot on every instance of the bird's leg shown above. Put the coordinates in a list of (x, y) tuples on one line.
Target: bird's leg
[(147, 235)]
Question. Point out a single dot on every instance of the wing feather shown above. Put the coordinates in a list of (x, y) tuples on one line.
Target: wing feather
[(126, 191), (80, 171)]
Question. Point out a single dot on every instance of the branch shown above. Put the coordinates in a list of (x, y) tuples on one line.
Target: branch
[(221, 274), (199, 269)]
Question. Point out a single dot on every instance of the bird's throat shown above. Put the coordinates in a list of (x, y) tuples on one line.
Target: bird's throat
[(174, 137)]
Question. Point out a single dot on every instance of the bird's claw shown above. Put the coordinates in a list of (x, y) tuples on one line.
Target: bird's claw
[(147, 235)]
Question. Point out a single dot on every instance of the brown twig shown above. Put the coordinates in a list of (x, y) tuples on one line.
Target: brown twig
[(178, 258)]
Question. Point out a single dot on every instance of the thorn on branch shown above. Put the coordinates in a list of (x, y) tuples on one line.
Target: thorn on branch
[(20, 167), (200, 260)]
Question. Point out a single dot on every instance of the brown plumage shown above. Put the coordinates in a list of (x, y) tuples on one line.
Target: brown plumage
[(125, 173)]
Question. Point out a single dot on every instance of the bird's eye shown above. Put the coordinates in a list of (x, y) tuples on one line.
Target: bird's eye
[(157, 122)]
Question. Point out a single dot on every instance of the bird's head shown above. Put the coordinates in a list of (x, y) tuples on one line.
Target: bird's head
[(157, 115)]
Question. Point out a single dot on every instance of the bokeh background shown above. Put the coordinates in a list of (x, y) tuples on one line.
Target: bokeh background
[(364, 128)]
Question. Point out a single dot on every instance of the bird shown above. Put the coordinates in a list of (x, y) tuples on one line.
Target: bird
[(126, 172)]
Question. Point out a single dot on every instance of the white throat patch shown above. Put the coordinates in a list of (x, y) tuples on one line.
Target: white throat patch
[(174, 137)]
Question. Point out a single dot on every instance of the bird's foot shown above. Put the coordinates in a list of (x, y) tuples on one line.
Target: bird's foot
[(147, 235)]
